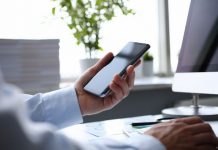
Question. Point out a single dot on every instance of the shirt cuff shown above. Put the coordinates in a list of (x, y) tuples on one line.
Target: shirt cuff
[(146, 142), (62, 108)]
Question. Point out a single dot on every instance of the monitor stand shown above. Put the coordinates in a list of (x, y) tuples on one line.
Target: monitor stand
[(207, 113)]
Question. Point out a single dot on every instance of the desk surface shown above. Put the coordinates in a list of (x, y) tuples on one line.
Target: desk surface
[(118, 129)]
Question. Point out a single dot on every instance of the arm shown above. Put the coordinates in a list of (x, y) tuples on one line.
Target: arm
[(59, 108), (18, 132)]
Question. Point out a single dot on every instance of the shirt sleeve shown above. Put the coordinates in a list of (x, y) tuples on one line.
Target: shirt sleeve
[(60, 107)]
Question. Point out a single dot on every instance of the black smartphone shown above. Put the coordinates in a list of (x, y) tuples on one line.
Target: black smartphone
[(99, 84)]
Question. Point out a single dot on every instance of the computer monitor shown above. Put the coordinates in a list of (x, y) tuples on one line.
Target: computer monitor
[(197, 70)]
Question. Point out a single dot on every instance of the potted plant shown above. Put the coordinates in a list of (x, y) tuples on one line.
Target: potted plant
[(147, 64), (85, 17)]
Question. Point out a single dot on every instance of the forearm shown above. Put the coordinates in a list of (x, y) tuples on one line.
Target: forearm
[(59, 108)]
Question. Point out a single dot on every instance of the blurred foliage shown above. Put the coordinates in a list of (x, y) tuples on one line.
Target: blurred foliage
[(84, 18), (147, 57)]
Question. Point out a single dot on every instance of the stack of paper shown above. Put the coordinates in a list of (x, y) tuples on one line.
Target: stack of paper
[(32, 65)]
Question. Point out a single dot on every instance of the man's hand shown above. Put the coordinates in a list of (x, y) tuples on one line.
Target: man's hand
[(185, 134), (120, 87)]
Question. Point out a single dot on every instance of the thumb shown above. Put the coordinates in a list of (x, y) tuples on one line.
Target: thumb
[(95, 69), (102, 62)]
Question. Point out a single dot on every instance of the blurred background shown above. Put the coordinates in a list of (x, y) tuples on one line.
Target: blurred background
[(39, 50)]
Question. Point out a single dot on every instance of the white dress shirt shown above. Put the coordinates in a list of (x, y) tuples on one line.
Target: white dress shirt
[(50, 110)]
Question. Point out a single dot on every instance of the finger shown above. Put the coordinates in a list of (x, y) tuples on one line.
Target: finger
[(137, 63), (206, 147), (189, 120), (103, 62), (130, 76), (117, 92), (199, 128), (93, 70), (122, 84), (131, 73), (205, 138)]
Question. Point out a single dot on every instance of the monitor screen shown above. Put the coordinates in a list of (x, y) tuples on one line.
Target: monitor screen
[(197, 70)]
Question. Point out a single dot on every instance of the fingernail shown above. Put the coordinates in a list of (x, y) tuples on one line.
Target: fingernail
[(117, 77)]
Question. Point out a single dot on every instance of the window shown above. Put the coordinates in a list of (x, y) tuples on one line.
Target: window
[(178, 12), (32, 19)]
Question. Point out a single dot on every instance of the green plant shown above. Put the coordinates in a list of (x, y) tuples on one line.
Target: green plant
[(84, 18), (147, 57)]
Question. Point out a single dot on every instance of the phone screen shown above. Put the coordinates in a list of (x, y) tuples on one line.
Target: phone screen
[(98, 85)]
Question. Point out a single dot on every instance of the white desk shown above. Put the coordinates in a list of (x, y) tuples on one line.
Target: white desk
[(118, 129)]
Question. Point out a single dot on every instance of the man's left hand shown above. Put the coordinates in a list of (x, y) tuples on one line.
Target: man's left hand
[(120, 87)]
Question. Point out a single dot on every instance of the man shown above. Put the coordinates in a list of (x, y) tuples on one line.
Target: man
[(67, 106)]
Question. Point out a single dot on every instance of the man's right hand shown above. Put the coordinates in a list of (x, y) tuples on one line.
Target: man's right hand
[(185, 134)]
